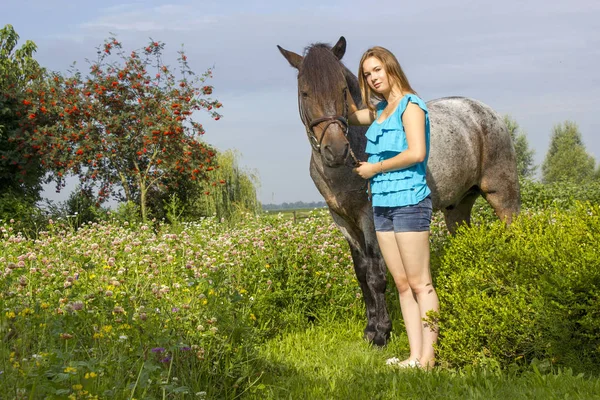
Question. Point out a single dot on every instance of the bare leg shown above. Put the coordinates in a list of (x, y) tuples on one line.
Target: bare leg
[(408, 302), (461, 213), (414, 251)]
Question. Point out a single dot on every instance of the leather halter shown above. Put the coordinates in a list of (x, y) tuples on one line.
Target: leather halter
[(341, 120), (335, 119)]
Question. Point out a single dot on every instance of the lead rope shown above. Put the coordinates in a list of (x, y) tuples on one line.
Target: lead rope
[(356, 161)]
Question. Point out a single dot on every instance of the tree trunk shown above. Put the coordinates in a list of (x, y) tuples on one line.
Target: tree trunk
[(143, 192)]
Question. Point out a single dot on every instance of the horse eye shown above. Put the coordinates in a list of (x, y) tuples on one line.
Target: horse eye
[(304, 94)]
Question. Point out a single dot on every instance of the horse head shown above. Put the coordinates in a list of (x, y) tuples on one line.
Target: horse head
[(322, 90)]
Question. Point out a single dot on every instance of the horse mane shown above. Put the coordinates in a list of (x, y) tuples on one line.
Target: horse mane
[(321, 69)]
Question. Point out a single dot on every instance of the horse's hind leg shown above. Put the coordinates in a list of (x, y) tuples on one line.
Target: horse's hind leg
[(461, 212), (501, 191)]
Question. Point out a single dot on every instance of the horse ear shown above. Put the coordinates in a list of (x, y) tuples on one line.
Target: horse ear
[(294, 59), (340, 48)]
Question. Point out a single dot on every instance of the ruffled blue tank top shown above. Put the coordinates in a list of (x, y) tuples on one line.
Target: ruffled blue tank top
[(402, 187)]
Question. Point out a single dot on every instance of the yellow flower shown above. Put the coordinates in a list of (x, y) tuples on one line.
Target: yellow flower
[(45, 305), (77, 387), (90, 375), (70, 370), (211, 292), (107, 328), (10, 314), (204, 302), (42, 325), (253, 317), (242, 291), (98, 335), (267, 266), (26, 311)]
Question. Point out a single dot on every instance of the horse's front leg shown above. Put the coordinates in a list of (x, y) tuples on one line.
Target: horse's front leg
[(376, 277), (371, 275)]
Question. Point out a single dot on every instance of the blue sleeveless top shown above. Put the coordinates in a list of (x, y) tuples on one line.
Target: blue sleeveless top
[(401, 187)]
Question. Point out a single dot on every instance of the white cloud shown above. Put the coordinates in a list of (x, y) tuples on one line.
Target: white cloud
[(136, 18)]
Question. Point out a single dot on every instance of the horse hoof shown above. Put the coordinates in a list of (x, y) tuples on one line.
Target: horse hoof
[(376, 338), (380, 340)]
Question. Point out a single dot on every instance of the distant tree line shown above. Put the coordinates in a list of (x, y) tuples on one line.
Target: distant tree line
[(295, 205)]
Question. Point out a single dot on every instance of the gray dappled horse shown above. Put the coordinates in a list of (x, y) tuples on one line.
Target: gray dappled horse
[(471, 154)]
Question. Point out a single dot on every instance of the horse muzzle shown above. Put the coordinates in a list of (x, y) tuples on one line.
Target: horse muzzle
[(336, 153)]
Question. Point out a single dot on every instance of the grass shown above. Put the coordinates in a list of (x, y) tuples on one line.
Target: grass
[(331, 361)]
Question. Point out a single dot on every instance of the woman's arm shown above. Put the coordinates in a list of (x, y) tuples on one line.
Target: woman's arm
[(413, 120), (356, 116)]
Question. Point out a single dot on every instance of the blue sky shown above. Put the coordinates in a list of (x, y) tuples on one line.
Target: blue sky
[(535, 60)]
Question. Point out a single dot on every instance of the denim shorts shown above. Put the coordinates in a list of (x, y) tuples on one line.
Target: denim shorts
[(414, 218)]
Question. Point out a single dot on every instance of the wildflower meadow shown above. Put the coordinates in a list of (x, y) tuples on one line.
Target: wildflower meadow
[(115, 310), (269, 307)]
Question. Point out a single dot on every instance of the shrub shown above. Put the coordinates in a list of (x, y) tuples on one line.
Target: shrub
[(536, 195), (524, 292), (28, 219)]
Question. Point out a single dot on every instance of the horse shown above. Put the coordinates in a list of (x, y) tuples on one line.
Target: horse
[(471, 154)]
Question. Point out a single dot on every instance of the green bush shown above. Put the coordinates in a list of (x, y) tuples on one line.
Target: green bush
[(537, 195), (540, 196), (21, 210), (530, 291)]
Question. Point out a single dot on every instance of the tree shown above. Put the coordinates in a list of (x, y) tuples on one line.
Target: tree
[(20, 175), (233, 190), (567, 160), (525, 167), (123, 126)]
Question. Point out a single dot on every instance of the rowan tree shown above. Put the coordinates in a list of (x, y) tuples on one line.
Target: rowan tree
[(127, 125)]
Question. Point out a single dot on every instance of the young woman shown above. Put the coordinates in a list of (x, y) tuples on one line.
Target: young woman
[(398, 147)]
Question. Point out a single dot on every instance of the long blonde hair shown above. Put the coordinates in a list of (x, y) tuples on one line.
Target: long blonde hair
[(392, 69)]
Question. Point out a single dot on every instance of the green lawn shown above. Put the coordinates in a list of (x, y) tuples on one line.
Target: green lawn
[(331, 361)]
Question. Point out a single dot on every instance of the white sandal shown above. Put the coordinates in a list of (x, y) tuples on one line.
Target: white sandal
[(395, 361)]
